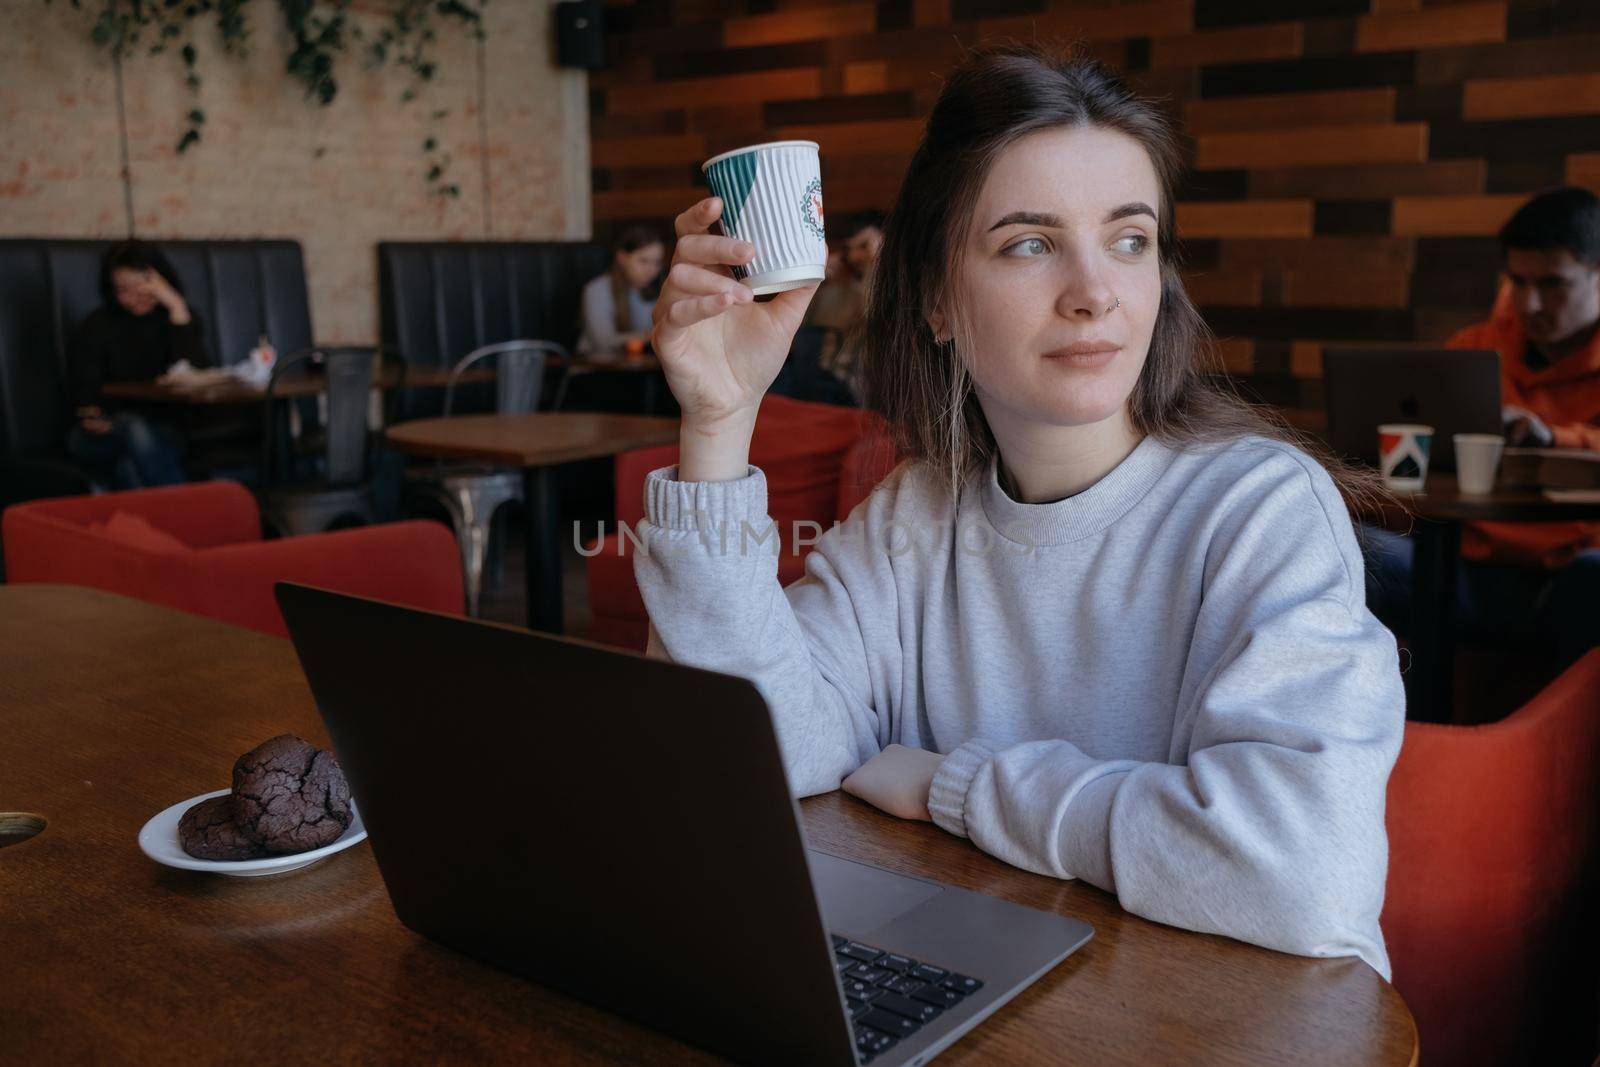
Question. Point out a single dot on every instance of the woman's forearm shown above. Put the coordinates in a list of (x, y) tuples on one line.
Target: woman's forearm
[(717, 452)]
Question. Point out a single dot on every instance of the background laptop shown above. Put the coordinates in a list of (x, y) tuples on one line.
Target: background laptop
[(621, 829), (1454, 390)]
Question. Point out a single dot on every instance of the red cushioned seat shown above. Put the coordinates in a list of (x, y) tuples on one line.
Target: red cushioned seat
[(1489, 913), (135, 531), (198, 548)]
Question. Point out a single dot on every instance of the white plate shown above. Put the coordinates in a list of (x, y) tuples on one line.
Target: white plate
[(159, 840)]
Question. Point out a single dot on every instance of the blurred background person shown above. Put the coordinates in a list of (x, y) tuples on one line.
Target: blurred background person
[(1534, 583), (1546, 322), (618, 303), (840, 305), (143, 327)]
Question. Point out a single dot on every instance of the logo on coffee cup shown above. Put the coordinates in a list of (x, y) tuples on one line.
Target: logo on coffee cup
[(1407, 454), (811, 209)]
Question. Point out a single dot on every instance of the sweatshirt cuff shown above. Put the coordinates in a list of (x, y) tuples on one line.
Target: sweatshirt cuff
[(674, 505), (1086, 832), (947, 797)]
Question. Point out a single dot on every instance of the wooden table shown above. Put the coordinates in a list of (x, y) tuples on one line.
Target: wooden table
[(289, 387), (536, 444), (112, 709), (1440, 510)]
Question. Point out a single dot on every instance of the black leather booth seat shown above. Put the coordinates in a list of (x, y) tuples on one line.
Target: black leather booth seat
[(240, 289), (442, 299)]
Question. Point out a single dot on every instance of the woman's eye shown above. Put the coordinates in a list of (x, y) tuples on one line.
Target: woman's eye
[(1027, 248), (1133, 244)]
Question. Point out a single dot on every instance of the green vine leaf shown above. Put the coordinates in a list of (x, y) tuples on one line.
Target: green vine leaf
[(320, 33)]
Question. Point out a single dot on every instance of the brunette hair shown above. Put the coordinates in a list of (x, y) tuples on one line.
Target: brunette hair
[(133, 254), (921, 387), (630, 239)]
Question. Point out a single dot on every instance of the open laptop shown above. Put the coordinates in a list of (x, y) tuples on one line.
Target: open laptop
[(1454, 390), (621, 829)]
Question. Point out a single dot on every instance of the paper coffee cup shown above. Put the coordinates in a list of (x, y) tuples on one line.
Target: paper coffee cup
[(1403, 455), (772, 197), (1477, 457)]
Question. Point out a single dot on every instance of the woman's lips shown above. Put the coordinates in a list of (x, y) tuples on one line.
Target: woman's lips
[(1085, 354)]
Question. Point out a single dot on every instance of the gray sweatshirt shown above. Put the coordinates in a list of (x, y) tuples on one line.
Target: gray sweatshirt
[(1168, 685), (600, 339)]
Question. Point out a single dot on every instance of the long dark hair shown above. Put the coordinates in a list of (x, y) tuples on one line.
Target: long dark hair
[(134, 255), (995, 97)]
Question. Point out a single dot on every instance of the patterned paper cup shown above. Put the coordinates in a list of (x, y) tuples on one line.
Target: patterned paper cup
[(772, 197), (1403, 455)]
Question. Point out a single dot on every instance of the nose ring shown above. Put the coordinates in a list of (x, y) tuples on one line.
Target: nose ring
[(1115, 306)]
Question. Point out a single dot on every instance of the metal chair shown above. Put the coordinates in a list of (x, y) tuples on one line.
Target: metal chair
[(471, 494), (342, 491)]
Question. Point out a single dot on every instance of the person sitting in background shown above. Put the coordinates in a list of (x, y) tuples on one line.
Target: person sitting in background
[(1538, 582), (144, 327), (1546, 322), (615, 308), (841, 303)]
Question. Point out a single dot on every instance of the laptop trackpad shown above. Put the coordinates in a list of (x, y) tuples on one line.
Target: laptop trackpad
[(857, 898)]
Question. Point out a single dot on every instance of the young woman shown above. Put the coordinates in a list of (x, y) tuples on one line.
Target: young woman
[(143, 328), (1106, 621), (615, 309)]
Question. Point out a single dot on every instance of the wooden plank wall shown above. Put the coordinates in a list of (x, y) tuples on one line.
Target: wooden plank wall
[(1351, 159)]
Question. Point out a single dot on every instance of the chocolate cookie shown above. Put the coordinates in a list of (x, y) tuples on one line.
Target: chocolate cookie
[(290, 796), (208, 831)]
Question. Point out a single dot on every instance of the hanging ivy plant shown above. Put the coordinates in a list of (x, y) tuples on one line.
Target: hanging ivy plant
[(320, 33)]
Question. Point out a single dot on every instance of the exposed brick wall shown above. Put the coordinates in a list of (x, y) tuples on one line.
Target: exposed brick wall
[(338, 179)]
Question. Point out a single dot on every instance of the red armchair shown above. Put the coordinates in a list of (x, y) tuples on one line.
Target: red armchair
[(819, 460), (1489, 916), (198, 548)]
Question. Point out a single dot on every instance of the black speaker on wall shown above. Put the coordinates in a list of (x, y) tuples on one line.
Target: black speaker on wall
[(580, 36)]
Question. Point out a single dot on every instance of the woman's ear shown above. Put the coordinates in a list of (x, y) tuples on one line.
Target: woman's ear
[(936, 324)]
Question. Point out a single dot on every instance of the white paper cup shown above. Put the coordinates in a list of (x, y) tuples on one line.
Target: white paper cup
[(1477, 458), (1403, 449), (772, 197)]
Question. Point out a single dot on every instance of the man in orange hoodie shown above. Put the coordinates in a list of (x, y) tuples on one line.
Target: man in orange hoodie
[(1536, 581)]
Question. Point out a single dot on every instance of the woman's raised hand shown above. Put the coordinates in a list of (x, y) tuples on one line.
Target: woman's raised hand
[(719, 349)]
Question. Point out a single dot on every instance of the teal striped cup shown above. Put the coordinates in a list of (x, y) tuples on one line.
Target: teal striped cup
[(772, 197)]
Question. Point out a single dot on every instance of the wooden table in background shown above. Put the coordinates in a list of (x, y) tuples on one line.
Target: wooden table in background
[(112, 709), (289, 387), (1440, 511), (535, 444)]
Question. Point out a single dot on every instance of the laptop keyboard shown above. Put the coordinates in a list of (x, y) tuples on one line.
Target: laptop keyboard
[(890, 996)]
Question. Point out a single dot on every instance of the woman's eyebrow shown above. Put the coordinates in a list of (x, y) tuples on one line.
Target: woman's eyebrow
[(1134, 208), (1027, 218), (1044, 218)]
